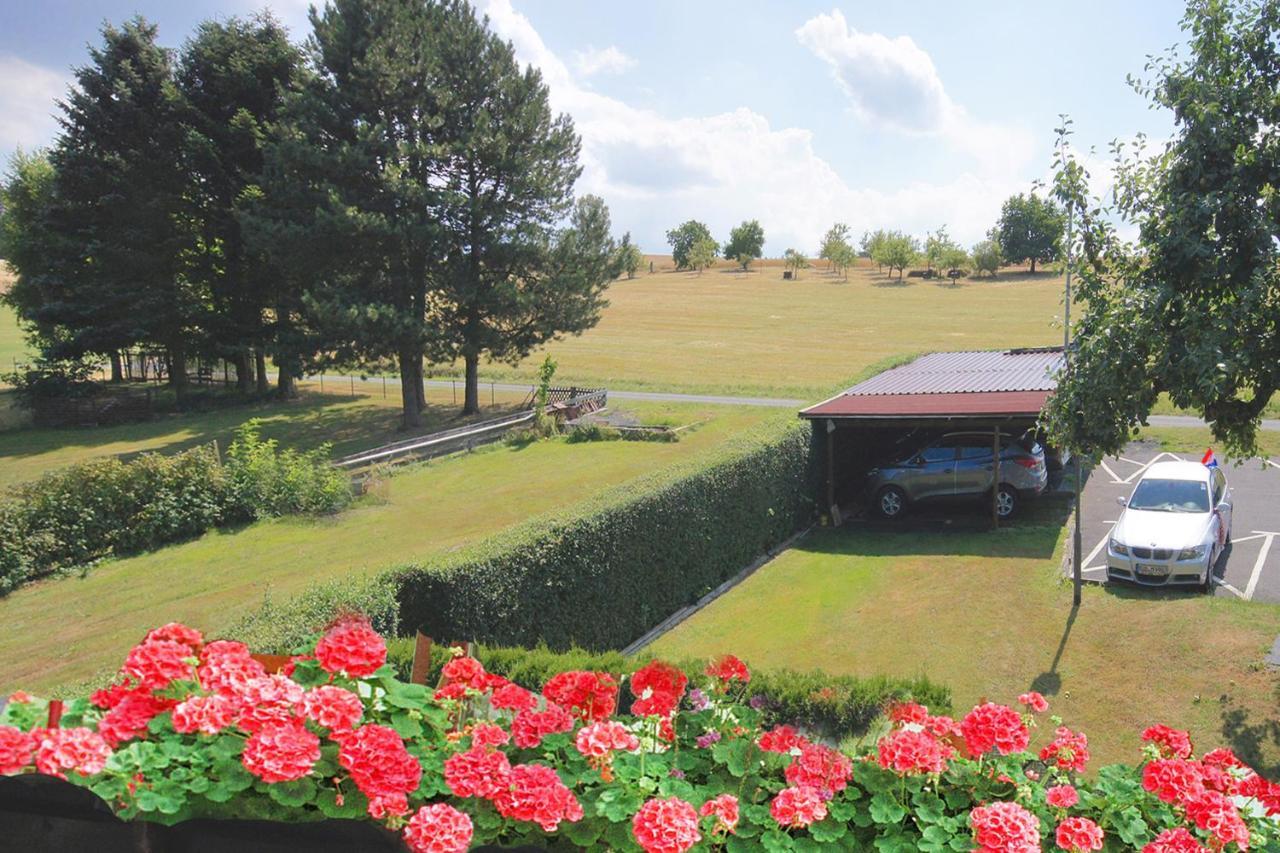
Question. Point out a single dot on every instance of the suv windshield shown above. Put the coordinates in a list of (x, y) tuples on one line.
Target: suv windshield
[(1170, 496)]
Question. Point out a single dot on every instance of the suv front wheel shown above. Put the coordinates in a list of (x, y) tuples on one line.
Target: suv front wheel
[(891, 502)]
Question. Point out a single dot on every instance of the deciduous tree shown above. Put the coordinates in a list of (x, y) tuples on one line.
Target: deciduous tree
[(746, 243), (837, 235), (702, 254), (682, 239), (629, 256), (795, 261), (1030, 229), (986, 257)]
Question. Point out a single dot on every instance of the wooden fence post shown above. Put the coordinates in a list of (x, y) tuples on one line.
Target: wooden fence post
[(421, 659)]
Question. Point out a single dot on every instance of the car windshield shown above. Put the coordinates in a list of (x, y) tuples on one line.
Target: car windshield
[(1171, 496)]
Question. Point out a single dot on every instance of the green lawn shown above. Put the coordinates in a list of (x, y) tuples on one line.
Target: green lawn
[(726, 332), (987, 615), (67, 629), (348, 423)]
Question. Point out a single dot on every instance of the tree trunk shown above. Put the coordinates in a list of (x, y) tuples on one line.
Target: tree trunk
[(286, 388), (264, 382), (244, 380), (117, 369), (420, 386), (1033, 266), (178, 371), (408, 396), (471, 399)]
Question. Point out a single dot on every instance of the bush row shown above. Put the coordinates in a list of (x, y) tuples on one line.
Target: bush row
[(605, 572), (106, 507), (838, 706)]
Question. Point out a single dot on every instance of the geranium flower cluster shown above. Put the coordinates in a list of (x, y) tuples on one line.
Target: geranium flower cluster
[(480, 759)]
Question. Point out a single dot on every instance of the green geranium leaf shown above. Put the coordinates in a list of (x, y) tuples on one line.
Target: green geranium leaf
[(885, 810), (405, 725), (293, 794), (829, 830)]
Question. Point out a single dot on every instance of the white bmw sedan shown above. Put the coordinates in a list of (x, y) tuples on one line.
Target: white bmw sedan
[(1174, 527)]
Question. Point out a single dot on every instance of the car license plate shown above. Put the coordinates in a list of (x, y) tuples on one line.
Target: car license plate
[(1152, 571)]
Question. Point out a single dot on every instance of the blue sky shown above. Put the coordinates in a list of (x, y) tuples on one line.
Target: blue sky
[(897, 115)]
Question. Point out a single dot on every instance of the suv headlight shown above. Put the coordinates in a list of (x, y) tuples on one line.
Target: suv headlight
[(1196, 553), (1118, 547)]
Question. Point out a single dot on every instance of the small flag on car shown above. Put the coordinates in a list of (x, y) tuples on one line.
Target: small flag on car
[(1209, 460)]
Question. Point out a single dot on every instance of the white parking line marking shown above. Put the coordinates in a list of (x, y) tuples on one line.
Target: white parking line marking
[(1115, 478), (1096, 548), (1257, 566), (1141, 470), (1231, 588), (1130, 461), (1272, 464), (1176, 456), (1093, 569), (1247, 538)]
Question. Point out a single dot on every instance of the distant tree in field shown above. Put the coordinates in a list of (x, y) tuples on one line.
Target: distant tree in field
[(124, 208), (872, 246), (682, 239), (954, 258), (702, 254), (629, 256), (842, 258), (1030, 229), (986, 257), (794, 261), (233, 75), (837, 235), (897, 251), (941, 252), (746, 243)]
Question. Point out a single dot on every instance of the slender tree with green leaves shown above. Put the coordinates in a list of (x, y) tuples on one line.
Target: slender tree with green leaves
[(986, 257), (837, 235), (629, 256), (702, 254), (795, 261)]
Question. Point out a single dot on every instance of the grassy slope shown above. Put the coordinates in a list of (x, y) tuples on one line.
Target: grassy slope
[(67, 629), (349, 423), (12, 346), (732, 333)]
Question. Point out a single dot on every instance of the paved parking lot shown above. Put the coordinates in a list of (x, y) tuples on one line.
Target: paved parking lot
[(1250, 569)]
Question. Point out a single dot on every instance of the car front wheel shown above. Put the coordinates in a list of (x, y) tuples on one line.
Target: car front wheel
[(1006, 501), (891, 502)]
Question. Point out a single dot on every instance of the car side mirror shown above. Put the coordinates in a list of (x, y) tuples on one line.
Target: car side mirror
[(1122, 500)]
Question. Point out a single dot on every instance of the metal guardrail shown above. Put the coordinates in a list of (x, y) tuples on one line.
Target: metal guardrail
[(437, 443)]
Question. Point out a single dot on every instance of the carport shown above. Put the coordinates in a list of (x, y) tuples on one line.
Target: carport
[(999, 391)]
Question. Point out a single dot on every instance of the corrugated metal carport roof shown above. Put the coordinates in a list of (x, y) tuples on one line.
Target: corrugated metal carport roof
[(1012, 383)]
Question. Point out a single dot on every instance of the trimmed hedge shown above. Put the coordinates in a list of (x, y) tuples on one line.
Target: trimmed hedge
[(107, 507), (838, 706), (606, 572)]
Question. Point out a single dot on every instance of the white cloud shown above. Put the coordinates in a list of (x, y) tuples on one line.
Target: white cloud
[(28, 95), (610, 60), (893, 82)]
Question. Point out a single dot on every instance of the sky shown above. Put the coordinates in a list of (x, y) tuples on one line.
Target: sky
[(907, 115)]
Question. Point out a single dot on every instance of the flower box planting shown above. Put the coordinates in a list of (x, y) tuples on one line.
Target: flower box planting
[(199, 735)]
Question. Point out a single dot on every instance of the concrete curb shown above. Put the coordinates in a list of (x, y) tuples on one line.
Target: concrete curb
[(685, 612)]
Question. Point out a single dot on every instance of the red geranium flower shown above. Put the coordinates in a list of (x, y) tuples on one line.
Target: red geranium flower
[(822, 768), (513, 697), (487, 734), (589, 695), (155, 664), (478, 772), (1215, 812), (351, 647), (270, 700), (911, 752), (332, 707), (1079, 835), (381, 767), (465, 670), (1177, 840), (205, 714), (1172, 743), (535, 793), (666, 826), (728, 668), (129, 717), (281, 753), (17, 749), (782, 739), (1035, 701), (657, 687), (530, 727), (79, 749), (1061, 796), (907, 712), (227, 666), (1173, 780), (1068, 750), (725, 810), (991, 726), (601, 739), (178, 633), (1005, 828), (438, 828), (798, 807)]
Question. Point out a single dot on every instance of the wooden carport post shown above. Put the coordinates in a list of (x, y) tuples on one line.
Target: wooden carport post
[(831, 473), (995, 477)]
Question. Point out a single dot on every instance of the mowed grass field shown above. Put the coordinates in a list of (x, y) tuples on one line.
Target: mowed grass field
[(349, 423), (755, 334), (13, 349), (64, 630)]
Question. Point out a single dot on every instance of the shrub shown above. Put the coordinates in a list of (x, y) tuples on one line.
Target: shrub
[(267, 481), (837, 706), (604, 573), (106, 507)]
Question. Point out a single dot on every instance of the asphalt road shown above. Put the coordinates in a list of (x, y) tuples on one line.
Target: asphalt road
[(723, 400), (1249, 570)]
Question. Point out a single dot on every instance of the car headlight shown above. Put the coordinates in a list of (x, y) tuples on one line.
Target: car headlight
[(1118, 547), (1196, 553)]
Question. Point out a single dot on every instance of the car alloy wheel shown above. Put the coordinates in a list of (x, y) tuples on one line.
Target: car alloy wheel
[(891, 502), (1006, 502)]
